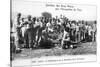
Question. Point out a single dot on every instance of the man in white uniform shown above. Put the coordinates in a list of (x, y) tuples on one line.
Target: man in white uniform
[(16, 30)]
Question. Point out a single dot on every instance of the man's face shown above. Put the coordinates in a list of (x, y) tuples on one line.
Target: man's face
[(29, 17)]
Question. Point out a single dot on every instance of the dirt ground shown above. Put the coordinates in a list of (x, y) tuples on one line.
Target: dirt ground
[(82, 49)]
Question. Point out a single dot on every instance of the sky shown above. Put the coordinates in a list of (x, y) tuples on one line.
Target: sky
[(34, 8)]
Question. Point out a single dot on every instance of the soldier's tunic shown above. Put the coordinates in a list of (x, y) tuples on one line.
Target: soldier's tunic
[(89, 30), (25, 27), (16, 31), (39, 31), (65, 34), (65, 38), (73, 26), (50, 28), (94, 32), (77, 33)]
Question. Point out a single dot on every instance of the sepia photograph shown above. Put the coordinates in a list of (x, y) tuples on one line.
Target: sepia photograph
[(52, 33)]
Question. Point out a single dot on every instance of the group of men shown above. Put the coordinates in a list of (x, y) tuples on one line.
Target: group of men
[(30, 31)]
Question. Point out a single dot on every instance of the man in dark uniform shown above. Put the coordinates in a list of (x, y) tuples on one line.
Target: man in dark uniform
[(28, 33)]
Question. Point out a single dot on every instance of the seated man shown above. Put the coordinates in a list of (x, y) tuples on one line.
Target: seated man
[(65, 39)]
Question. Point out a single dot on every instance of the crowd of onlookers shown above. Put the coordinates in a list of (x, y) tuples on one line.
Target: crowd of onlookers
[(32, 32)]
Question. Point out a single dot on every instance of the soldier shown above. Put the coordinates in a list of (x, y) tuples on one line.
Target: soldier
[(65, 39), (94, 31), (39, 31), (16, 30), (77, 32), (73, 30), (90, 33), (30, 35)]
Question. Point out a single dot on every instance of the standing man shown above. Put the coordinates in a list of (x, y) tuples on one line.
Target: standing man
[(29, 34), (16, 29)]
